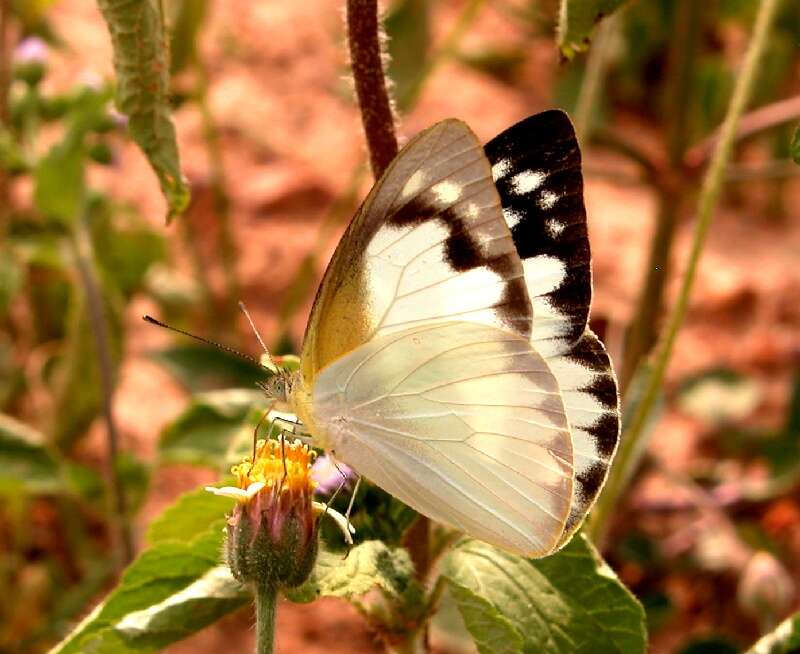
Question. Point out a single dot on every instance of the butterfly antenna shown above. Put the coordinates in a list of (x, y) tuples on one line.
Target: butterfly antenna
[(219, 346), (255, 331)]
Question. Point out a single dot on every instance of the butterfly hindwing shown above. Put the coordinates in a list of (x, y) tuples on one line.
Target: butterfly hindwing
[(463, 422), (537, 168)]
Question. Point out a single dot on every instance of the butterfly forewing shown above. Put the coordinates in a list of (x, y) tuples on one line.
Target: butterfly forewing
[(537, 168), (428, 245)]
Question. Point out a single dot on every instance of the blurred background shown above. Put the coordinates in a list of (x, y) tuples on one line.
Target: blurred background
[(708, 533)]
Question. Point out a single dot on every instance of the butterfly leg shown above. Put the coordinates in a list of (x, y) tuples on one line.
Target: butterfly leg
[(352, 500), (297, 431), (255, 432)]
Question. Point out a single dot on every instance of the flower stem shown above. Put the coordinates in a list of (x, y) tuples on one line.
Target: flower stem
[(630, 444), (266, 607), (98, 321)]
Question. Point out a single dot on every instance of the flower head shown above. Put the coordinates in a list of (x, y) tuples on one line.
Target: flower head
[(329, 475), (30, 60), (272, 531), (31, 50)]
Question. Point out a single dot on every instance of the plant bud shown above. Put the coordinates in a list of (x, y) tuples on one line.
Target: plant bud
[(766, 589), (30, 60)]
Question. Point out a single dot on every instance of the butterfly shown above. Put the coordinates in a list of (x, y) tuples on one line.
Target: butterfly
[(447, 357)]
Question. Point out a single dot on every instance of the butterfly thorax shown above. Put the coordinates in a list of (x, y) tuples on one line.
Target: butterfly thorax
[(300, 403)]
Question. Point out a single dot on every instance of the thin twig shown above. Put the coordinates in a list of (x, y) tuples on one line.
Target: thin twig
[(751, 123), (99, 327), (366, 60), (632, 441)]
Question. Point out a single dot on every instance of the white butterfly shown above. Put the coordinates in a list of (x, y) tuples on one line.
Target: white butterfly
[(447, 357)]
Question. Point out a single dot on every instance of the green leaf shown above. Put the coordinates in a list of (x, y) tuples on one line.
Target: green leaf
[(24, 459), (408, 28), (124, 246), (367, 566), (203, 368), (794, 149), (193, 514), (784, 640), (170, 592), (569, 602), (12, 278), (577, 19), (189, 18), (490, 629), (141, 61), (210, 429), (59, 186)]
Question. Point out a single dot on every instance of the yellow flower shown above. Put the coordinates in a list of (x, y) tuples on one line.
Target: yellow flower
[(272, 531)]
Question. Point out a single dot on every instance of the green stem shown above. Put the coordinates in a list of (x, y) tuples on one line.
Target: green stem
[(643, 331), (596, 66), (632, 442), (266, 608)]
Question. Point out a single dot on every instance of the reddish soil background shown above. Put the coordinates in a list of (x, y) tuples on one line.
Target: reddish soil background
[(292, 140)]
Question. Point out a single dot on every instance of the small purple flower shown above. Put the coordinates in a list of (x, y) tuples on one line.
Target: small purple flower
[(328, 477), (31, 50), (119, 119)]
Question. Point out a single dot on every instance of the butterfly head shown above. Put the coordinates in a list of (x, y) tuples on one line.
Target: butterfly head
[(279, 386)]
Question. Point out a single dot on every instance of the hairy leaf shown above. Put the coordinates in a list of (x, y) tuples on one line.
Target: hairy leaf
[(794, 149), (577, 19), (490, 629), (369, 565), (193, 514), (570, 602), (170, 592), (141, 61)]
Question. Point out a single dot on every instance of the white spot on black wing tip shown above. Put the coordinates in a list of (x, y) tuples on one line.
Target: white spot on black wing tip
[(512, 217), (527, 181), (501, 168), (547, 199), (555, 227)]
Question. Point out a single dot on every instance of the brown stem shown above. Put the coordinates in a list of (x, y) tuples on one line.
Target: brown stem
[(363, 31), (99, 329), (373, 98)]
